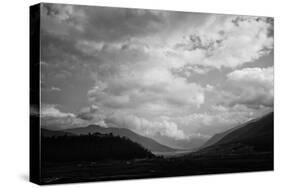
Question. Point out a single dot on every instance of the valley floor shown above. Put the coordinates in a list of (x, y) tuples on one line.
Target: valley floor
[(152, 168)]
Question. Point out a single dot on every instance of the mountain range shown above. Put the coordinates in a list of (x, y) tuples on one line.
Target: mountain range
[(146, 142), (255, 135)]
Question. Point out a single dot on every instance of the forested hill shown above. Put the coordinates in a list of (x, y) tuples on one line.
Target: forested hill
[(146, 142), (91, 147)]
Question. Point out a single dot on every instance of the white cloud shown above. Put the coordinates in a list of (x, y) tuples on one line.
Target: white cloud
[(226, 41), (53, 118), (252, 86), (218, 119), (58, 123), (152, 89), (146, 127), (257, 75), (51, 110)]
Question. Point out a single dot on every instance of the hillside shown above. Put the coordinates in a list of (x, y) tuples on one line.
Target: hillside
[(146, 142), (251, 137), (92, 147), (217, 137)]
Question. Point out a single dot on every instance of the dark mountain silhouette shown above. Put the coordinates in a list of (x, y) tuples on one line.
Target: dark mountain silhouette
[(91, 147), (217, 137), (146, 142), (51, 133), (253, 136)]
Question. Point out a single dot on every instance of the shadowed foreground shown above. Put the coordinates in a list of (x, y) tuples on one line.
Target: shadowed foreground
[(97, 157), (151, 168)]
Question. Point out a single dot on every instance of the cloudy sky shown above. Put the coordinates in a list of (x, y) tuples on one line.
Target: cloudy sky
[(176, 77)]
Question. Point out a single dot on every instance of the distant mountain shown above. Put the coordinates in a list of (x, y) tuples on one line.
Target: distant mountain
[(181, 144), (50, 133), (146, 142), (253, 136)]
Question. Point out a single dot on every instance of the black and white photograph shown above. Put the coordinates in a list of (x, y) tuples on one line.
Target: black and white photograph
[(126, 93)]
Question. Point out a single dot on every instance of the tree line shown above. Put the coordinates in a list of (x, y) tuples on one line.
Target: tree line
[(91, 147)]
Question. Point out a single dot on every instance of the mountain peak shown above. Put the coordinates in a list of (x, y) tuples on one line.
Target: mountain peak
[(94, 126)]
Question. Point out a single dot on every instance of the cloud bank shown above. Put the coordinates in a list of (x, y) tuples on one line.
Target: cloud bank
[(172, 76)]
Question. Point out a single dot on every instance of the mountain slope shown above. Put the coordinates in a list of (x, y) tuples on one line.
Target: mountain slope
[(253, 136), (258, 134), (217, 137), (148, 143)]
